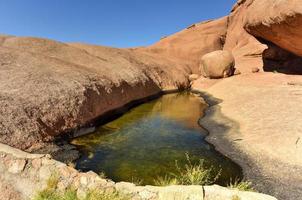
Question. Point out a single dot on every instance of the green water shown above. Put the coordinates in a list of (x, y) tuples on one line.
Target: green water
[(145, 142)]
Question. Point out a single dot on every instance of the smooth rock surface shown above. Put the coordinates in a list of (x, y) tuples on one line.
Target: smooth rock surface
[(217, 64), (187, 46), (257, 124), (48, 88)]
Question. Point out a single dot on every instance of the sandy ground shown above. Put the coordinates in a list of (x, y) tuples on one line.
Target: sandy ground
[(258, 124)]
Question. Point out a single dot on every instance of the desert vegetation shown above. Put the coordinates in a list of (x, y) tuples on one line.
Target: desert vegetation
[(51, 193), (199, 174), (190, 174), (241, 185)]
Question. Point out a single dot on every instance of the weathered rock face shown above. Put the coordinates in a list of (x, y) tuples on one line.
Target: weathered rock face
[(217, 64), (186, 47), (48, 88), (281, 60), (246, 49), (38, 168), (254, 24), (278, 21), (278, 25)]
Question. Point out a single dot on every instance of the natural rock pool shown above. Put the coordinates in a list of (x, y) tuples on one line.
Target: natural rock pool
[(145, 142)]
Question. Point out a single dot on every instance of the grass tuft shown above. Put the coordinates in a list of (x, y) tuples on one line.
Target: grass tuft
[(47, 195), (71, 194), (136, 181), (241, 185), (191, 174), (99, 195), (53, 181), (165, 181), (51, 193)]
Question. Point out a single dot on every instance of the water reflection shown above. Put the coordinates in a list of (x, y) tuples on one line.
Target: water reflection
[(145, 142)]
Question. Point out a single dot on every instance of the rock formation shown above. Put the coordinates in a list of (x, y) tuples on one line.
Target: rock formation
[(217, 64), (277, 24), (49, 88), (187, 46), (277, 21), (246, 49)]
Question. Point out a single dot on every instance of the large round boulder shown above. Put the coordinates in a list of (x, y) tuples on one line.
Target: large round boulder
[(217, 64)]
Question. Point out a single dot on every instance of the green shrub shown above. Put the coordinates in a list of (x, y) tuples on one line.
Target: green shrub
[(190, 174)]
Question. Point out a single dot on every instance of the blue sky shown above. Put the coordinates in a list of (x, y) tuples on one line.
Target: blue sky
[(118, 23)]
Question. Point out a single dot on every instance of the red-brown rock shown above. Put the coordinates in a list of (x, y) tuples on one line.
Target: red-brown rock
[(246, 49), (277, 21), (187, 46), (48, 88)]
